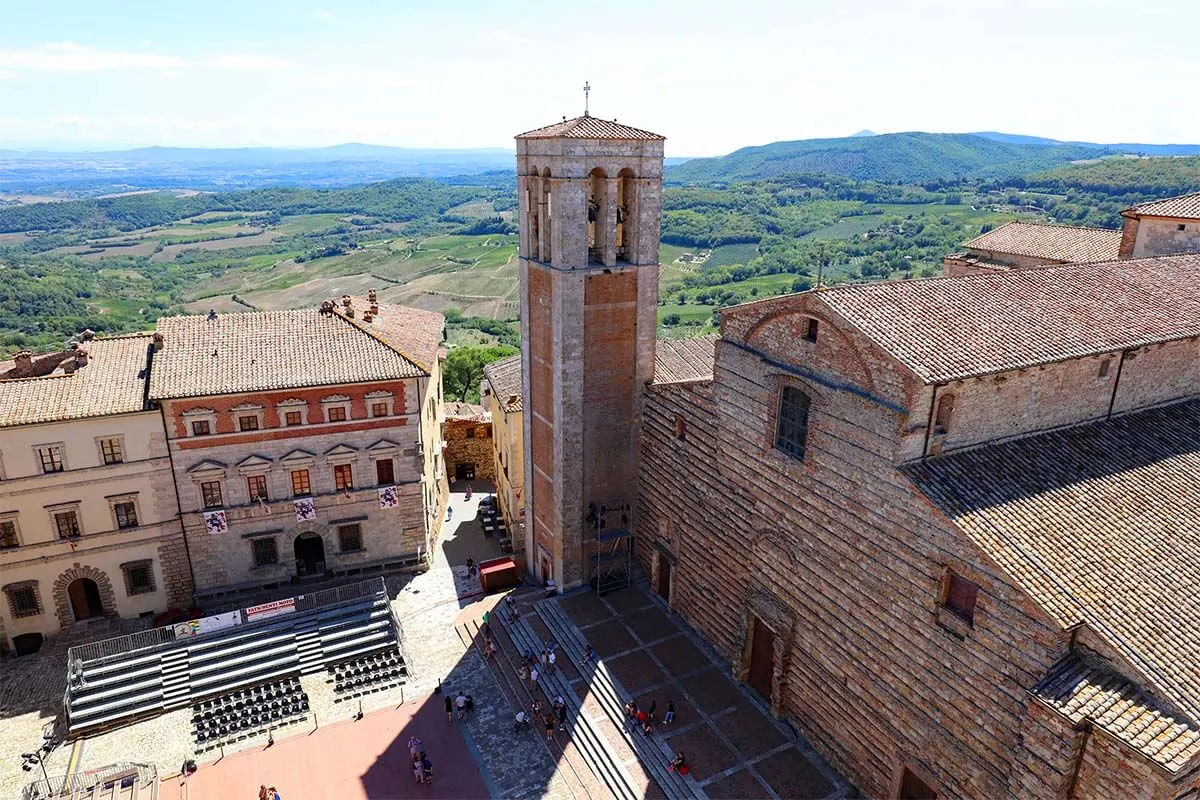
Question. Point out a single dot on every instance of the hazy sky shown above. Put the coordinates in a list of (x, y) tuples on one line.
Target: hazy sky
[(710, 76)]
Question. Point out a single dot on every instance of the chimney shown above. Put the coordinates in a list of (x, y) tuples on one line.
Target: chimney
[(158, 341), (87, 335), (350, 312), (81, 357), (346, 301), (68, 367), (24, 364), (372, 298), (327, 307), (368, 316), (375, 308)]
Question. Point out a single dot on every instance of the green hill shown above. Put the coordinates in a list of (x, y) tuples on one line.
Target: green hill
[(1157, 177), (892, 158)]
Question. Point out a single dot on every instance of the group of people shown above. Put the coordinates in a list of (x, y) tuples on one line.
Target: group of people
[(646, 719), (555, 716), (460, 703), (265, 793), (422, 767)]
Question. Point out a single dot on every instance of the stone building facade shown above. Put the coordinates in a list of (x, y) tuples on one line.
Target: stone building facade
[(468, 436), (935, 548), (590, 199), (303, 443), (88, 516), (1162, 227), (501, 395)]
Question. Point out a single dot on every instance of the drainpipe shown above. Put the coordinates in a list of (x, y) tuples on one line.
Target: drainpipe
[(1116, 383), (929, 420), (1083, 743)]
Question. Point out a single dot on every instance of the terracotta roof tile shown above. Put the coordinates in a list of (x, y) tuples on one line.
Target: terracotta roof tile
[(946, 329), (1066, 243), (1185, 206), (112, 382), (677, 360), (466, 411), (505, 378), (1100, 524), (255, 351), (589, 127), (1082, 689)]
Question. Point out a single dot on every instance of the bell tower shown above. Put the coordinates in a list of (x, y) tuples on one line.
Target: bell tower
[(590, 201)]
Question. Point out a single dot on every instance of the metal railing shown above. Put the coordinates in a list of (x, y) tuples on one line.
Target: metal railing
[(84, 782), (161, 638)]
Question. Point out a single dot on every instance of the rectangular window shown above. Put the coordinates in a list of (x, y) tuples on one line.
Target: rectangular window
[(385, 472), (257, 486), (201, 427), (960, 597), (810, 330), (66, 524), (1181, 227), (343, 477), (52, 458), (379, 410), (680, 428), (24, 602), (110, 451), (248, 423), (1105, 365), (470, 433), (126, 514), (8, 534), (791, 432), (139, 577), (291, 418), (265, 552), (336, 414), (349, 538), (300, 484), (210, 493)]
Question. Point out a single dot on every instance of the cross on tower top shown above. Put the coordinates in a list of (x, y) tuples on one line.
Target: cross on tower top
[(587, 89)]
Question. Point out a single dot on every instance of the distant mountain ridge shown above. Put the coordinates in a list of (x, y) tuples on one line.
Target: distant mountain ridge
[(891, 157), (1132, 148)]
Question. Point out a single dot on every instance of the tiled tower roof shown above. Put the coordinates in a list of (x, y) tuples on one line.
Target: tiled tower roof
[(589, 127)]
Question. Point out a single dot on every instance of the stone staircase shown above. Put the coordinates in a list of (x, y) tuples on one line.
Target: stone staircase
[(653, 753), (585, 732)]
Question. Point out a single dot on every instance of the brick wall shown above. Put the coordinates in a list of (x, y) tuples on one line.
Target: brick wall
[(476, 450), (840, 556)]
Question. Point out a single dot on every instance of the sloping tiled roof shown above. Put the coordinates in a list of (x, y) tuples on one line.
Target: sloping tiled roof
[(505, 377), (413, 332), (677, 360), (951, 328), (262, 350), (108, 384), (1082, 689), (1186, 206), (1066, 243), (466, 411), (1100, 524), (588, 127)]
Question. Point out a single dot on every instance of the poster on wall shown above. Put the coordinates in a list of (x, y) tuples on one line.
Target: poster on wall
[(215, 522), (389, 497), (306, 509), (207, 624), (268, 610)]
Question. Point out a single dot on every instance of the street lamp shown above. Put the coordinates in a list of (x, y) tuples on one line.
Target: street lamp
[(29, 759)]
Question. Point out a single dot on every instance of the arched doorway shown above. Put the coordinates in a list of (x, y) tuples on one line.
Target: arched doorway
[(84, 596), (310, 554)]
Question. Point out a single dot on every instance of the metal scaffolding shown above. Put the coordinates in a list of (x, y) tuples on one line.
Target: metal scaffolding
[(612, 546)]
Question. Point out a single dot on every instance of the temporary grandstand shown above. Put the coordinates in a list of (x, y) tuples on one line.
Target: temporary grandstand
[(246, 655)]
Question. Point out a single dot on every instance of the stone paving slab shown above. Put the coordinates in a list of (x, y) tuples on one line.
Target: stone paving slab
[(792, 775), (738, 786)]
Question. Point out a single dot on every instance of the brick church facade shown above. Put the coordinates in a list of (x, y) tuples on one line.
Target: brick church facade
[(946, 527)]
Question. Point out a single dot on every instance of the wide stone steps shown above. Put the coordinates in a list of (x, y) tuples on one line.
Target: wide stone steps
[(651, 751), (585, 731)]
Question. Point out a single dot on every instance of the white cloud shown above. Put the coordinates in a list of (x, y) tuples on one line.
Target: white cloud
[(70, 57), (322, 14)]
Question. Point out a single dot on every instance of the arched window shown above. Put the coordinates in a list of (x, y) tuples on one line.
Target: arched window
[(533, 198), (945, 411), (546, 224), (597, 213), (626, 215), (791, 427)]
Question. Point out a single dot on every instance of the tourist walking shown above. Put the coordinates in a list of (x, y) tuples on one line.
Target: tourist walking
[(418, 773), (560, 709), (533, 677), (414, 746), (426, 768), (589, 653), (652, 709), (449, 710), (460, 702), (669, 717), (552, 660), (549, 721)]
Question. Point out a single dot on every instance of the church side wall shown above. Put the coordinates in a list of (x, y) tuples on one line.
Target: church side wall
[(1161, 237)]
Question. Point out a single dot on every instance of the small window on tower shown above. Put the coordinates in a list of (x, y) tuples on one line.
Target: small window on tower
[(1181, 227), (1105, 365), (959, 595), (810, 329)]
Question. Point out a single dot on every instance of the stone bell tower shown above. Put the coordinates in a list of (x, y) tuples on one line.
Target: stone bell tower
[(590, 200)]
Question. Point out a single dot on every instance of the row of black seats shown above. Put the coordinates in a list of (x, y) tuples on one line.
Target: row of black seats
[(375, 669), (248, 710)]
